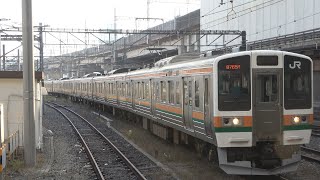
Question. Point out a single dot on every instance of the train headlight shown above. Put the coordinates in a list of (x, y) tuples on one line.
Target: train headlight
[(236, 121), (296, 120)]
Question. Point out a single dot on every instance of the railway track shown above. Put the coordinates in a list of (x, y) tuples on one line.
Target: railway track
[(107, 161), (313, 154)]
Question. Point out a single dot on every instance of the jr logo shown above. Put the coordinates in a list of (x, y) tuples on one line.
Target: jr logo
[(295, 64)]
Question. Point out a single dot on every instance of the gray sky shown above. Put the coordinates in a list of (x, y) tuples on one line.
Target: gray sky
[(96, 13), (93, 14)]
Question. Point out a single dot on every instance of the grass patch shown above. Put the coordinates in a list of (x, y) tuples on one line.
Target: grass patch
[(15, 165)]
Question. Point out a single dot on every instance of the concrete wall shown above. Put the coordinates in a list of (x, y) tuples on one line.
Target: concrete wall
[(261, 19), (11, 100)]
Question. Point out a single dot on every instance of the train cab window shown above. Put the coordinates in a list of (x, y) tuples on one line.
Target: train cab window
[(178, 101), (196, 94), (163, 88), (234, 84), (171, 91), (297, 83)]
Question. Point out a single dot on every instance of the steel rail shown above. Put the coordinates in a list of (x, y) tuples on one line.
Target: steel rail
[(126, 160), (310, 150), (89, 153), (315, 134), (309, 157)]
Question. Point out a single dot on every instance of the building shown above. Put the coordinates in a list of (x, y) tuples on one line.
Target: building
[(11, 106)]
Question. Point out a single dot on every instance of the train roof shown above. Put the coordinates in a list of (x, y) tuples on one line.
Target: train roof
[(191, 61)]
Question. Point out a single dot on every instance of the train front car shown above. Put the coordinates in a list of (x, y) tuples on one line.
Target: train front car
[(263, 111)]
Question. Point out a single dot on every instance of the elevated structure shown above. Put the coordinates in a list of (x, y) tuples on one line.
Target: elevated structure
[(270, 24), (136, 48)]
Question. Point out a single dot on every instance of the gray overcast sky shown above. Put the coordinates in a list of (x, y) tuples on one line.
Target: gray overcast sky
[(93, 14), (96, 13)]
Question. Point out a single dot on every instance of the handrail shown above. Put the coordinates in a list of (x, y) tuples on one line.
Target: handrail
[(8, 148), (12, 143)]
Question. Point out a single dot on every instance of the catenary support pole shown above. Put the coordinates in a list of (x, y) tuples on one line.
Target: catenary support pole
[(4, 57), (28, 84), (19, 69), (41, 46)]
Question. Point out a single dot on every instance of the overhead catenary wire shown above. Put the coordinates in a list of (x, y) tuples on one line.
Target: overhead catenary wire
[(277, 1), (209, 13)]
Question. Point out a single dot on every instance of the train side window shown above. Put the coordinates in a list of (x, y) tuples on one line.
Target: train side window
[(126, 90), (178, 101), (138, 90), (171, 91), (157, 91), (206, 91), (163, 91), (111, 92), (142, 90), (123, 89), (196, 94), (147, 86)]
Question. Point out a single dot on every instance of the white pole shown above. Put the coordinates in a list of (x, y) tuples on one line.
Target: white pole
[(28, 85)]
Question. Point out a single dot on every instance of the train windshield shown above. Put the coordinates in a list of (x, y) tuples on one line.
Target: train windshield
[(297, 83), (234, 84)]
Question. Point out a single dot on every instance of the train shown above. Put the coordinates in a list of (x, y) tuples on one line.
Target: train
[(254, 108)]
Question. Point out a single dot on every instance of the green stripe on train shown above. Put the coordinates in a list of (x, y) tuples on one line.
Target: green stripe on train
[(198, 120), (233, 129), (169, 112), (297, 127)]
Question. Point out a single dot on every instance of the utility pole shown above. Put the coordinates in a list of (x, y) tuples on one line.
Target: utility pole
[(41, 46), (148, 13), (4, 57), (18, 60), (28, 85)]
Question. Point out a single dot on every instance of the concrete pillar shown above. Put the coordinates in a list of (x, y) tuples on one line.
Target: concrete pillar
[(28, 85), (113, 111), (175, 136), (145, 123)]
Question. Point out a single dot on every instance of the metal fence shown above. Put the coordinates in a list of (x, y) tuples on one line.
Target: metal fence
[(9, 149)]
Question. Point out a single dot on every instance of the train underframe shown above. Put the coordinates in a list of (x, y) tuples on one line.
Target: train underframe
[(266, 158)]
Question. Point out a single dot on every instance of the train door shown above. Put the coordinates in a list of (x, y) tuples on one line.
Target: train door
[(267, 107), (207, 110), (187, 102)]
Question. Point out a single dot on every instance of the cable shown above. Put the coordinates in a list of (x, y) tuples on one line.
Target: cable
[(207, 14), (241, 14), (284, 24)]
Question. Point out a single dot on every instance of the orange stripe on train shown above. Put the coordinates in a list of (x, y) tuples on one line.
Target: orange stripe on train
[(247, 121)]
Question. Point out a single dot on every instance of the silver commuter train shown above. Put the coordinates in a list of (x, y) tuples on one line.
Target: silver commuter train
[(255, 107)]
